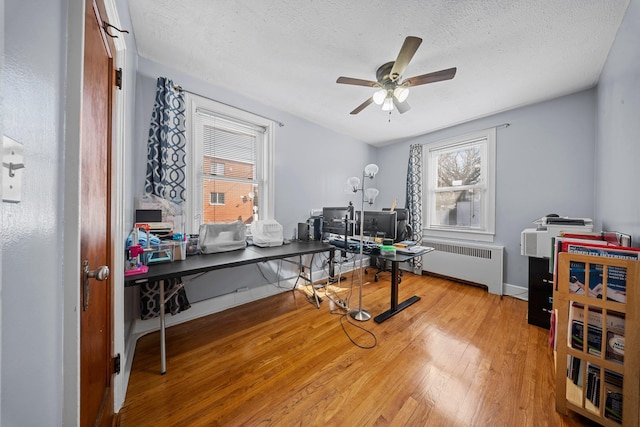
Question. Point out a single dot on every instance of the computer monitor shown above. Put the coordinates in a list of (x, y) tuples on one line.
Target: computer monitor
[(337, 220), (382, 224)]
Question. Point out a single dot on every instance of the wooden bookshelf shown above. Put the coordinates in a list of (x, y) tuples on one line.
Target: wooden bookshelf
[(576, 394)]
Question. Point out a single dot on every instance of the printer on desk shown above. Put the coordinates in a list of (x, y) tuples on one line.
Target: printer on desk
[(537, 242)]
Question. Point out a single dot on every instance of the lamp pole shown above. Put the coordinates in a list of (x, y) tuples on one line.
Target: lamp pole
[(368, 172)]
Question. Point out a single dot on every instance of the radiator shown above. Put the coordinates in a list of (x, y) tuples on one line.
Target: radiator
[(471, 262)]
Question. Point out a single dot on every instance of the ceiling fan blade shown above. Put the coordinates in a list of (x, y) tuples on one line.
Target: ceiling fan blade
[(409, 48), (362, 106), (436, 76), (357, 82), (402, 107)]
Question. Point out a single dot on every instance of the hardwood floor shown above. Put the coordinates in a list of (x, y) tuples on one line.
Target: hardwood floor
[(458, 357)]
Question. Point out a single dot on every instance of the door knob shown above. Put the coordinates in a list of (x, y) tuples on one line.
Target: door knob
[(101, 273)]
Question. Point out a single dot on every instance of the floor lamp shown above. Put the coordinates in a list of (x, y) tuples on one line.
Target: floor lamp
[(369, 195)]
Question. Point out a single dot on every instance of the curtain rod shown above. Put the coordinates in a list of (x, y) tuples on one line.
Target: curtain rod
[(180, 89)]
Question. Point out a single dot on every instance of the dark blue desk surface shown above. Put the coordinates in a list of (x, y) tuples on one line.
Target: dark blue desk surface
[(196, 264)]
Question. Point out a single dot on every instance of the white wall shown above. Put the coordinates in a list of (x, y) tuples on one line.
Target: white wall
[(545, 160), (1, 133), (33, 81), (618, 147)]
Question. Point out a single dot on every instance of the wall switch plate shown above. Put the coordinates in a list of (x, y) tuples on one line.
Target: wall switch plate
[(12, 168)]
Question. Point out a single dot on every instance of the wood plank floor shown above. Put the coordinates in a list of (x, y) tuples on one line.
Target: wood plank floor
[(458, 357)]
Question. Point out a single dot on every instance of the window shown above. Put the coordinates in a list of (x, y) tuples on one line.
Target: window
[(216, 198), (217, 168), (230, 164), (460, 183)]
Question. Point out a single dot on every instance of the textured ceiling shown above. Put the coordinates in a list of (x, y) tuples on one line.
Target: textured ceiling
[(288, 53)]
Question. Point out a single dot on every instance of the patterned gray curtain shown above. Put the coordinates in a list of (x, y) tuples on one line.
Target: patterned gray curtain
[(166, 179), (414, 198), (166, 145)]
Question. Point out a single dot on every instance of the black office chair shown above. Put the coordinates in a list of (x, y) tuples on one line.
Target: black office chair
[(403, 232)]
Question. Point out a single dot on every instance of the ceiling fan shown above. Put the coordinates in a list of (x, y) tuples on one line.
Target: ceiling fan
[(392, 92)]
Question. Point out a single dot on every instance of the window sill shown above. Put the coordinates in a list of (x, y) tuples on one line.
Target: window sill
[(459, 234)]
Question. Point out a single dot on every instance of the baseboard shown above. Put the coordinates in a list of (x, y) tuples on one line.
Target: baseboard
[(514, 291)]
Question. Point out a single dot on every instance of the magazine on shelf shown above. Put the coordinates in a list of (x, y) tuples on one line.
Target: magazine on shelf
[(579, 278), (615, 345), (558, 246), (614, 327), (593, 383), (613, 402), (609, 240)]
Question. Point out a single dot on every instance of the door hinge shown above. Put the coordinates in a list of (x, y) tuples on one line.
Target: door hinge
[(116, 364), (119, 78)]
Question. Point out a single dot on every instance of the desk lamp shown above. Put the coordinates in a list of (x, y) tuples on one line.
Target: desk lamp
[(369, 195)]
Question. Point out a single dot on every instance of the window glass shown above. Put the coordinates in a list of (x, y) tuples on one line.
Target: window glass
[(230, 164), (460, 185)]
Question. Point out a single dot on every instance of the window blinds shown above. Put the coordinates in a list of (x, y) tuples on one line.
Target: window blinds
[(229, 141)]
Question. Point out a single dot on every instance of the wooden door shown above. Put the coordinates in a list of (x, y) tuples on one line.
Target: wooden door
[(96, 341)]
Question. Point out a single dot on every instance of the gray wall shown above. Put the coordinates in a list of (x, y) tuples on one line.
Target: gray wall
[(618, 147), (33, 80), (545, 160)]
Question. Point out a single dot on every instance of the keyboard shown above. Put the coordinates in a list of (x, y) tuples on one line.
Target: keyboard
[(352, 246)]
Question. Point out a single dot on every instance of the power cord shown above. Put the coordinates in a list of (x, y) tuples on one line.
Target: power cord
[(343, 311), (365, 347)]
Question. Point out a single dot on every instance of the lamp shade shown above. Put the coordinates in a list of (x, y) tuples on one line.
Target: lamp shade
[(387, 105), (353, 183), (371, 170), (370, 195), (379, 96), (401, 93)]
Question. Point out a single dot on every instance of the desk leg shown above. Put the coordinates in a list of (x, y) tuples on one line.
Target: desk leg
[(163, 347), (395, 307), (315, 294)]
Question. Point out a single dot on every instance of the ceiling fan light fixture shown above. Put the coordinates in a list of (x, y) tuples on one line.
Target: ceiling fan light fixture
[(401, 93), (387, 105), (379, 96)]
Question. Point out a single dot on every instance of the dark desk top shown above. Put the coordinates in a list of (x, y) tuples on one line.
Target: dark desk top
[(196, 264)]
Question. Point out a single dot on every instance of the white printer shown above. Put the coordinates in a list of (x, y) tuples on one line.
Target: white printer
[(537, 242)]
